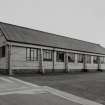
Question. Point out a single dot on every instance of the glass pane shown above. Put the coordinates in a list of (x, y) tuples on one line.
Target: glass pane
[(88, 59), (47, 55), (80, 58), (27, 53), (95, 59), (60, 56), (71, 57)]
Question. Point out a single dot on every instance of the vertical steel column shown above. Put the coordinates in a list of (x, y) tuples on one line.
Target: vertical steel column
[(41, 62), (10, 72), (92, 60), (76, 59), (54, 60), (66, 62), (84, 63), (99, 64)]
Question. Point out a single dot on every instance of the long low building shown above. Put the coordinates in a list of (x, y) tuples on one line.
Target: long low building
[(24, 50)]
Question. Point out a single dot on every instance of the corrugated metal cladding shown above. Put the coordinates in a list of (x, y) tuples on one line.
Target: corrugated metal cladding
[(31, 36)]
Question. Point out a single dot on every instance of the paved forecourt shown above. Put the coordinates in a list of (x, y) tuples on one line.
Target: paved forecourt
[(17, 92)]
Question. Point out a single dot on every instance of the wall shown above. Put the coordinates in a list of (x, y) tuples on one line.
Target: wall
[(75, 66), (3, 60), (59, 66), (92, 66), (103, 66), (48, 66), (18, 59)]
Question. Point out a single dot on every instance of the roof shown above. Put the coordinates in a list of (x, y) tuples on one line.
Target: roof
[(20, 34)]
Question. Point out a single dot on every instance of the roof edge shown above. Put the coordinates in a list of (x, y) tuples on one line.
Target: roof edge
[(52, 47)]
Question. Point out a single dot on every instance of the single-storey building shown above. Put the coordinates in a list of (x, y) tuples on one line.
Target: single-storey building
[(24, 50)]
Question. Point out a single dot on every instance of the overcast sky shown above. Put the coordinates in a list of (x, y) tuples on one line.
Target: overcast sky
[(81, 19)]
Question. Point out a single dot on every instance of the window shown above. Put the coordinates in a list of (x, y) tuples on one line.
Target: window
[(60, 56), (28, 57), (95, 59), (80, 58), (88, 58), (47, 55), (0, 33), (71, 57), (2, 51), (102, 60), (31, 54)]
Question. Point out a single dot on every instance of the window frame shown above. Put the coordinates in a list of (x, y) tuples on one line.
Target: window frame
[(95, 61), (80, 58), (72, 59), (58, 56), (47, 55), (2, 51), (103, 60), (88, 59), (30, 56)]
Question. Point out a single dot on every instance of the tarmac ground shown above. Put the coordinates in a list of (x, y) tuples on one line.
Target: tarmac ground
[(17, 92)]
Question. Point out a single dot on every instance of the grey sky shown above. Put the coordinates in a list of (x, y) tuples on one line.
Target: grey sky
[(81, 19)]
